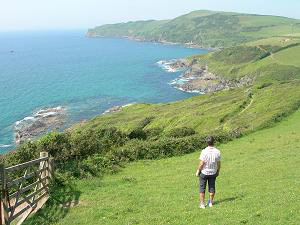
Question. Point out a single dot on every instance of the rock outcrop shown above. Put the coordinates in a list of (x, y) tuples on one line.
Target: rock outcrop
[(198, 79), (43, 121)]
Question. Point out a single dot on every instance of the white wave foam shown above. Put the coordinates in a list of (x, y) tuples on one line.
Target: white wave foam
[(167, 65), (130, 104), (5, 146), (49, 114), (42, 113), (28, 118)]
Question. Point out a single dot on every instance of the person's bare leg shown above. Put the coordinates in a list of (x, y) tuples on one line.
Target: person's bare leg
[(211, 197), (202, 198)]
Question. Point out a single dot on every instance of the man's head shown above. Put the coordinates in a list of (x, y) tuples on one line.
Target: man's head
[(210, 141)]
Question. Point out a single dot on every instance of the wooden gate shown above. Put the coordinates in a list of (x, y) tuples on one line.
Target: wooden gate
[(28, 192)]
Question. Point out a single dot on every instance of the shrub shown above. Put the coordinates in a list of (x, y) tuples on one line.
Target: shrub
[(181, 132), (138, 133), (97, 164), (142, 124), (84, 143), (57, 144), (154, 133), (25, 152)]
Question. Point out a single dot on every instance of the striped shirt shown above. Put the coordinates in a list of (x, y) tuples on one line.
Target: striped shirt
[(210, 156)]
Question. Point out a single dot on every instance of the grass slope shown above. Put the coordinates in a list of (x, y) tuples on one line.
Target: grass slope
[(223, 111), (267, 59), (205, 28), (259, 184)]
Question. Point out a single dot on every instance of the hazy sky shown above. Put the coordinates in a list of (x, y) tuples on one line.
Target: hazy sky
[(61, 14)]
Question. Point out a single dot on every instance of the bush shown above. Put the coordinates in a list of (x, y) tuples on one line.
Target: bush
[(84, 143), (164, 147), (138, 133), (25, 152), (142, 124), (97, 164), (154, 133), (181, 132), (56, 144), (264, 85)]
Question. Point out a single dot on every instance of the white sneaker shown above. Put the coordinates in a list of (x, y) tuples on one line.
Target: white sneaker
[(210, 205), (202, 206)]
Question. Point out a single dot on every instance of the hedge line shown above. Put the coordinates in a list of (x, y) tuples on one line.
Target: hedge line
[(91, 152)]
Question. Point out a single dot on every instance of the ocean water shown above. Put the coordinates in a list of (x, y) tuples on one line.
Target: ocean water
[(87, 76)]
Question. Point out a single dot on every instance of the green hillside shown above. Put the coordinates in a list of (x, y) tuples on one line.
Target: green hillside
[(203, 28), (267, 59), (259, 184)]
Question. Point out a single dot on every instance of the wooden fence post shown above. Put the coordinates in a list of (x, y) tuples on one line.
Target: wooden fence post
[(51, 168), (4, 197), (43, 164)]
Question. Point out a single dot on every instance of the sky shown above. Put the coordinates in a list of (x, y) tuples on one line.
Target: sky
[(83, 14)]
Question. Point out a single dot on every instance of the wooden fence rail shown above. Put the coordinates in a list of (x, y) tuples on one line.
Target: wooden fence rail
[(26, 193)]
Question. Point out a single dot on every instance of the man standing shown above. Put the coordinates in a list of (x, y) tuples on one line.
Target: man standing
[(208, 170)]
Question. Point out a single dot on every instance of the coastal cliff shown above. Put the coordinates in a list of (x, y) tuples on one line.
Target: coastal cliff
[(203, 28)]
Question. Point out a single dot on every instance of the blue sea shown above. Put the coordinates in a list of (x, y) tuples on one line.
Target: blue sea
[(85, 75)]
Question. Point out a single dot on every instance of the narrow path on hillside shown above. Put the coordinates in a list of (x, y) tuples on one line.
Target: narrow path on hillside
[(248, 106), (237, 113)]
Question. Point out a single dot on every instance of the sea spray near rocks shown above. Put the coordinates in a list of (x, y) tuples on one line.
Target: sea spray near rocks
[(44, 120), (172, 66), (198, 79), (5, 146)]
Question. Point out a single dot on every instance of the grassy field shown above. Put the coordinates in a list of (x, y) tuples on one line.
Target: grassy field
[(259, 184)]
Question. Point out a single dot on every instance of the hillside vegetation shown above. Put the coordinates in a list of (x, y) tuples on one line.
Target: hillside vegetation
[(208, 29), (275, 59), (258, 184)]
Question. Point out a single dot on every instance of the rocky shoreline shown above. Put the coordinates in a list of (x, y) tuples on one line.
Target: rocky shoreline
[(198, 79), (47, 120), (43, 121)]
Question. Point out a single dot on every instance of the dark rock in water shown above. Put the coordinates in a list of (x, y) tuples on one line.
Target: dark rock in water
[(43, 121), (173, 65)]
